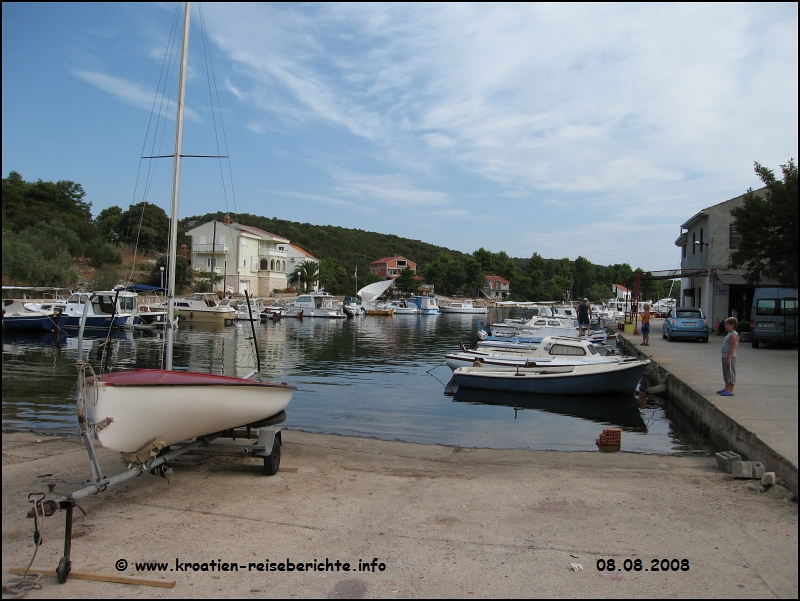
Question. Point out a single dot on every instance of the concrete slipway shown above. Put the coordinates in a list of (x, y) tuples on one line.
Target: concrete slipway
[(759, 421), (444, 521)]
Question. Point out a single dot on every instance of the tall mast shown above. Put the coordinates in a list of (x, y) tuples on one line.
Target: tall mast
[(176, 188)]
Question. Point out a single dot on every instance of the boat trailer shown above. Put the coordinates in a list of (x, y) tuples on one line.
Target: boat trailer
[(268, 446)]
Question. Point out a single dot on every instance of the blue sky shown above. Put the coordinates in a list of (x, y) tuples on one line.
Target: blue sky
[(566, 130)]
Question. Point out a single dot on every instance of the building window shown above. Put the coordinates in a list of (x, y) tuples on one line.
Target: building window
[(735, 238), (694, 240), (701, 239), (684, 251)]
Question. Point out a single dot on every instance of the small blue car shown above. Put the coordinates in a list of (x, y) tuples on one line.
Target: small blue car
[(685, 322)]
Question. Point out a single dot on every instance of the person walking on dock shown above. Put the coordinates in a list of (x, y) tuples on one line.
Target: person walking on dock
[(646, 326), (729, 356), (584, 315)]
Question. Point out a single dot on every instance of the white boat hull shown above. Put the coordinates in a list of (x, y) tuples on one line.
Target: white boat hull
[(168, 406)]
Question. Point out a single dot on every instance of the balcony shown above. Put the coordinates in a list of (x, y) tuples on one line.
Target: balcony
[(207, 249)]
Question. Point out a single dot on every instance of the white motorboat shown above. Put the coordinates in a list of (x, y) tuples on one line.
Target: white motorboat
[(401, 307), (555, 326), (551, 351), (316, 304), (240, 306), (133, 410), (204, 308), (463, 306)]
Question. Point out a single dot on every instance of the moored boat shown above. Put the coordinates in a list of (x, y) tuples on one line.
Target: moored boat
[(104, 311), (591, 379), (18, 318), (463, 306), (426, 304), (551, 351), (204, 308)]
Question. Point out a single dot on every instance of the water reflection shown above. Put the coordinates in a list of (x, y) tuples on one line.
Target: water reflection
[(619, 410), (380, 377)]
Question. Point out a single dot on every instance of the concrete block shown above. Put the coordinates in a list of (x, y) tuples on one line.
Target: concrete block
[(725, 460), (758, 469), (768, 479), (742, 469)]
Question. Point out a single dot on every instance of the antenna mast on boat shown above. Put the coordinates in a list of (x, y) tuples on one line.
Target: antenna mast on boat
[(176, 188)]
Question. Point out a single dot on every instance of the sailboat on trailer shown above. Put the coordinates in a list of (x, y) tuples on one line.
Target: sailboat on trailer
[(133, 409)]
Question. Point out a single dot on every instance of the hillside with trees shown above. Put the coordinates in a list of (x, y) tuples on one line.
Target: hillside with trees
[(340, 250), (48, 230)]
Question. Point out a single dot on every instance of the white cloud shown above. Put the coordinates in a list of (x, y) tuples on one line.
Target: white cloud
[(133, 93), (603, 107)]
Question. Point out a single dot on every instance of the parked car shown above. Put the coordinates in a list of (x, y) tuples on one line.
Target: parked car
[(774, 316), (685, 322)]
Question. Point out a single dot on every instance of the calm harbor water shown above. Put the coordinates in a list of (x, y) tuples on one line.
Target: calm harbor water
[(380, 377)]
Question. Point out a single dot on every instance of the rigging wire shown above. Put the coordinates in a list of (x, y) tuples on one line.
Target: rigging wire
[(168, 65), (211, 77)]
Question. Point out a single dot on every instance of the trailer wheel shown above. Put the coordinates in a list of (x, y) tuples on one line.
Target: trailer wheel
[(63, 569), (273, 461)]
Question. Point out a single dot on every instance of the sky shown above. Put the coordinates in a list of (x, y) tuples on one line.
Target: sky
[(564, 129)]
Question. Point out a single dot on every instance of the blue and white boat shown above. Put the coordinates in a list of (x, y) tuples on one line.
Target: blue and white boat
[(426, 304), (17, 317), (103, 313), (589, 379)]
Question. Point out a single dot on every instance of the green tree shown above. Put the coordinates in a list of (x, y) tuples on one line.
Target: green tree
[(405, 282), (334, 277), (768, 228), (536, 270), (27, 203), (307, 272), (183, 276), (37, 261), (473, 274), (145, 226), (108, 223)]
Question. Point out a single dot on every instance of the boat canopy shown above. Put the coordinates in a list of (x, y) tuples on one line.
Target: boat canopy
[(373, 291)]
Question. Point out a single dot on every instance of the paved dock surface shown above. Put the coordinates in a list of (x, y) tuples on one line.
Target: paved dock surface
[(765, 396), (445, 522)]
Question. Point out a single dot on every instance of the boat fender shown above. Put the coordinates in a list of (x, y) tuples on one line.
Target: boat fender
[(191, 314)]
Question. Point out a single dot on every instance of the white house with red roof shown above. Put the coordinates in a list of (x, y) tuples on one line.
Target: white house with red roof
[(495, 287), (246, 257), (621, 292), (295, 256)]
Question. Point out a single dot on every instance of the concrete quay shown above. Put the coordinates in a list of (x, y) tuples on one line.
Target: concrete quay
[(442, 521), (759, 422)]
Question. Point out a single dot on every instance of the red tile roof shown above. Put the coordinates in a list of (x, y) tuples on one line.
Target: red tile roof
[(496, 278), (305, 252)]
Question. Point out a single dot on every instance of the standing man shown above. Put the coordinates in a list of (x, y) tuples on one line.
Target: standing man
[(584, 316), (646, 326), (729, 356)]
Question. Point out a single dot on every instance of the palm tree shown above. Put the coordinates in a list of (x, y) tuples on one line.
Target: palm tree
[(307, 272)]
